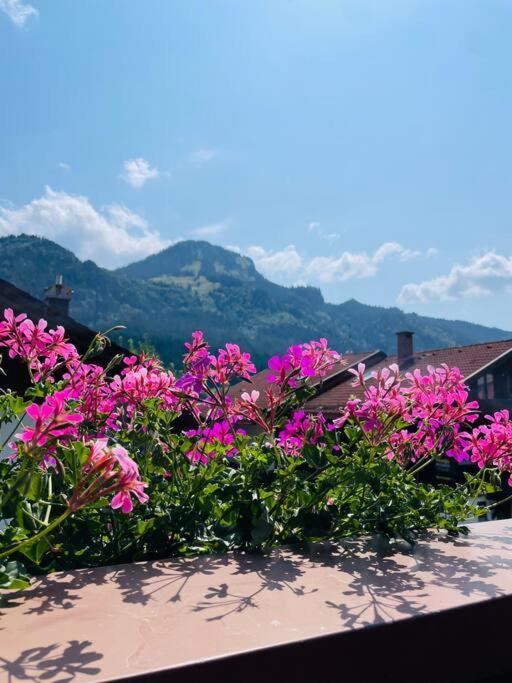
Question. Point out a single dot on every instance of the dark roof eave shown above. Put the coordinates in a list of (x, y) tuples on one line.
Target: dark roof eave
[(488, 365)]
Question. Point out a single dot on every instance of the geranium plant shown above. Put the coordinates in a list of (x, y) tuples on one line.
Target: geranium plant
[(129, 462)]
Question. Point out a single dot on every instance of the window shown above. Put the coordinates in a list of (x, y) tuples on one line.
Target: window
[(489, 380), (485, 386), (505, 390), (481, 387)]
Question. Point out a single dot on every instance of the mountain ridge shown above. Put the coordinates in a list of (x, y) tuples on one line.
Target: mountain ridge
[(195, 285)]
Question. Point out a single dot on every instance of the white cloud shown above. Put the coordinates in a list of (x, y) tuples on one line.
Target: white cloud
[(18, 11), (483, 275), (203, 155), (137, 172), (112, 236), (351, 264), (332, 236), (344, 267), (287, 261), (315, 228), (326, 269), (211, 230), (64, 166), (393, 248)]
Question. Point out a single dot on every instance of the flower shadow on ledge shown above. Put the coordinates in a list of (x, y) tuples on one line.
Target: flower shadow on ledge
[(283, 573), (139, 584), (386, 589), (57, 663), (382, 580), (274, 574), (48, 593), (387, 580), (144, 582)]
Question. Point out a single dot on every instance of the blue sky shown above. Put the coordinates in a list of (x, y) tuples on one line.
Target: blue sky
[(363, 146)]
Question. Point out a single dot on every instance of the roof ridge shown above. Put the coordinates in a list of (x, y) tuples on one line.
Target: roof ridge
[(463, 346)]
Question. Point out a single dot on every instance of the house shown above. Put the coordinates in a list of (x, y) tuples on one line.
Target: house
[(54, 309), (486, 367)]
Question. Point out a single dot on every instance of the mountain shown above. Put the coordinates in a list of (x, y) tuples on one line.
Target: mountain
[(195, 285), (195, 260)]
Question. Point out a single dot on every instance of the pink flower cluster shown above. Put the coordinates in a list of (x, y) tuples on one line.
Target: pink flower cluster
[(109, 469), (90, 388), (204, 369), (301, 430), (42, 350), (141, 380), (298, 365), (302, 361), (490, 445), (422, 416), (52, 422)]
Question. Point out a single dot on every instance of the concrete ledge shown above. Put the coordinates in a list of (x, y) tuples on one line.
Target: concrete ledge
[(441, 612)]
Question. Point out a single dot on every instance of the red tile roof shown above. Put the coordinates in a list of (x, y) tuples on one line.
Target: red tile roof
[(469, 359), (260, 383)]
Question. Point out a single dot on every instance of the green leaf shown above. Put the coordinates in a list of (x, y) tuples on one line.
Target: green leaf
[(314, 456), (36, 551), (260, 531), (13, 576), (35, 486)]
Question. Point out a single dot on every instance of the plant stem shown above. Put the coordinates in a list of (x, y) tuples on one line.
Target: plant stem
[(44, 532), (495, 505), (11, 433), (49, 506), (33, 517), (414, 471)]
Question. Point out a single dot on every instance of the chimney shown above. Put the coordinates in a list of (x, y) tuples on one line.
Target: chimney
[(404, 346), (57, 297)]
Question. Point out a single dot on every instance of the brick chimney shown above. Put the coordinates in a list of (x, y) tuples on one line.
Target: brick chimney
[(404, 346), (57, 297)]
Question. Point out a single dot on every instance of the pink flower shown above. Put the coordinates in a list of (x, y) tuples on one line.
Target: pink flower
[(210, 438), (109, 470), (490, 445), (302, 361), (302, 429), (196, 349), (42, 350), (252, 397), (421, 417), (359, 375), (280, 368), (52, 421), (129, 482)]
